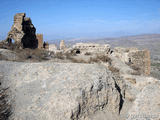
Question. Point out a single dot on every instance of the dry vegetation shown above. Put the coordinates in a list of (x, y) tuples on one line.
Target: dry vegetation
[(5, 107), (113, 69), (36, 55), (72, 58), (137, 70)]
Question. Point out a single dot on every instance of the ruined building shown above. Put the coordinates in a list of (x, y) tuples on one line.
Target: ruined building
[(40, 40), (41, 44), (133, 56), (23, 32), (62, 45), (83, 48)]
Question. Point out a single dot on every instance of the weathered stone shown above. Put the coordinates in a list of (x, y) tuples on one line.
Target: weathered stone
[(40, 40), (135, 57), (84, 48), (59, 91), (147, 104), (23, 32), (62, 45), (52, 47)]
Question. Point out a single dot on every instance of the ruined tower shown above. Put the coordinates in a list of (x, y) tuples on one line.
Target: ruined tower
[(23, 32), (62, 45), (40, 40)]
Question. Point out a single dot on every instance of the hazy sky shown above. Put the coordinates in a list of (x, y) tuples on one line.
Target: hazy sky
[(84, 18)]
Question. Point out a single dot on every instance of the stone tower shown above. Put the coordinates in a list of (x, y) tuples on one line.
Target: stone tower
[(62, 45), (40, 40), (23, 32)]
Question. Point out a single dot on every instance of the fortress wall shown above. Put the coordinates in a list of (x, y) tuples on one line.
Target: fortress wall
[(141, 59), (91, 48), (40, 40), (135, 57)]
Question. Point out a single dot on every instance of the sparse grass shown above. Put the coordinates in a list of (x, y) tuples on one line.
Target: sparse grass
[(155, 64), (78, 60), (96, 59), (131, 99), (136, 73), (59, 55), (132, 80), (137, 70), (32, 54), (135, 67), (100, 58), (113, 69), (88, 53)]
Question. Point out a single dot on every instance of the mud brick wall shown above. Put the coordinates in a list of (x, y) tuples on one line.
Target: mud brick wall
[(40, 40), (141, 59)]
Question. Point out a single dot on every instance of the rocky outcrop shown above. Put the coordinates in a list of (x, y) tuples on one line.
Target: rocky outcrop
[(60, 91), (137, 59), (147, 104), (23, 32)]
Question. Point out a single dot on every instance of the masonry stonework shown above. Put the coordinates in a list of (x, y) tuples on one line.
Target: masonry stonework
[(22, 32), (138, 58), (91, 48), (141, 59), (40, 40)]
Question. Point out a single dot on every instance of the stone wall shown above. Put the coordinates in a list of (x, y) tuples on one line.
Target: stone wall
[(141, 59), (135, 57), (84, 48), (40, 40), (23, 32)]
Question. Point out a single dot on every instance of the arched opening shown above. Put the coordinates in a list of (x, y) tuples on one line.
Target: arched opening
[(78, 52)]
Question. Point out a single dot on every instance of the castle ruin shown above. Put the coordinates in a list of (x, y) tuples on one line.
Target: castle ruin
[(135, 57), (40, 40), (83, 48), (23, 32)]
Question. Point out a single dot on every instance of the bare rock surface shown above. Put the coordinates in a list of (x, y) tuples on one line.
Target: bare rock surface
[(59, 91), (147, 104)]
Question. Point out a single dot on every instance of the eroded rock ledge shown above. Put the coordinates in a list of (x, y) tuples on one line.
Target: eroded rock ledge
[(60, 91)]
